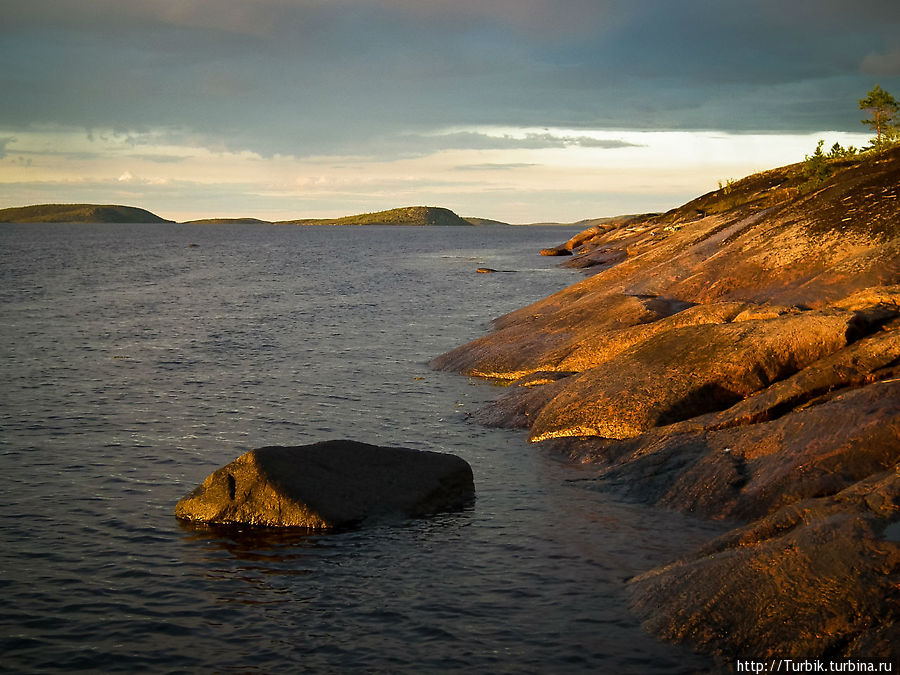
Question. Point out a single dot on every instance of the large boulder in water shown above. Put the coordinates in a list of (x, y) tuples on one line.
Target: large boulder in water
[(327, 485)]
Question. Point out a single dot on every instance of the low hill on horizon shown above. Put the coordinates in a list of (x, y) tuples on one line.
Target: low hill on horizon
[(226, 221), (98, 213), (79, 213), (408, 215)]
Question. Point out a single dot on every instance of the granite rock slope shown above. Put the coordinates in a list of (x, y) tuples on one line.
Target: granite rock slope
[(738, 358)]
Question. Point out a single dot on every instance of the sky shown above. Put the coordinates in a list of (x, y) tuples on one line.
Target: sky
[(516, 110)]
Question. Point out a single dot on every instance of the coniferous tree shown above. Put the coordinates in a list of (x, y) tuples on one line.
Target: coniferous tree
[(815, 167), (882, 108)]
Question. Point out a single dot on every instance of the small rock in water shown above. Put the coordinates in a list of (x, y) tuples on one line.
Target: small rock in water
[(327, 485)]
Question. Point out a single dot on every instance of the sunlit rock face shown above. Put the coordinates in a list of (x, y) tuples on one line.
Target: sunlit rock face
[(769, 243), (737, 358), (327, 485), (688, 371)]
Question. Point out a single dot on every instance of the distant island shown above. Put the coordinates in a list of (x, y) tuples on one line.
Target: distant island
[(410, 215), (415, 216), (94, 213), (79, 213), (228, 221)]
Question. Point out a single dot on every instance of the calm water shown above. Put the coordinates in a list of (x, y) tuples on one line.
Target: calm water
[(137, 359)]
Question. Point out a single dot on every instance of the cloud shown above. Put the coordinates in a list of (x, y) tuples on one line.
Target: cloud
[(501, 139), (609, 144), (884, 63), (306, 76), (61, 154), (251, 17), (554, 140), (541, 18), (386, 80), (161, 159), (494, 166)]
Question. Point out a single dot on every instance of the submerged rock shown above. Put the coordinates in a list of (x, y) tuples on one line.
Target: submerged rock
[(329, 484)]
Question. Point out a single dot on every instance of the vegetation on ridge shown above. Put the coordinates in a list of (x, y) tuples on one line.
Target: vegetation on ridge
[(883, 109)]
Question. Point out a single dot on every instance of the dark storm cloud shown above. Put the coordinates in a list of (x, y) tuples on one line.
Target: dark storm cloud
[(883, 63), (309, 76)]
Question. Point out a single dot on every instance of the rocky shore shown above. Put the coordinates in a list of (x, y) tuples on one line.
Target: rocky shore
[(738, 358)]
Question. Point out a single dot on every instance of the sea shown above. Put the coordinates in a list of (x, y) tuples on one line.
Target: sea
[(137, 359)]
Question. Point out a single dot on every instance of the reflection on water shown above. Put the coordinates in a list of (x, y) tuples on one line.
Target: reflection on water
[(252, 544), (135, 365)]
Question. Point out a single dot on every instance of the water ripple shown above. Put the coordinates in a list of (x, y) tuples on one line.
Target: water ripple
[(135, 366)]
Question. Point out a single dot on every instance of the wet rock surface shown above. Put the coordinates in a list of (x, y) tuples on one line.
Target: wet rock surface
[(738, 358), (327, 485), (814, 578)]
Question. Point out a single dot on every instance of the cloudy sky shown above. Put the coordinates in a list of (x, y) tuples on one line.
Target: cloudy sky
[(519, 110)]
